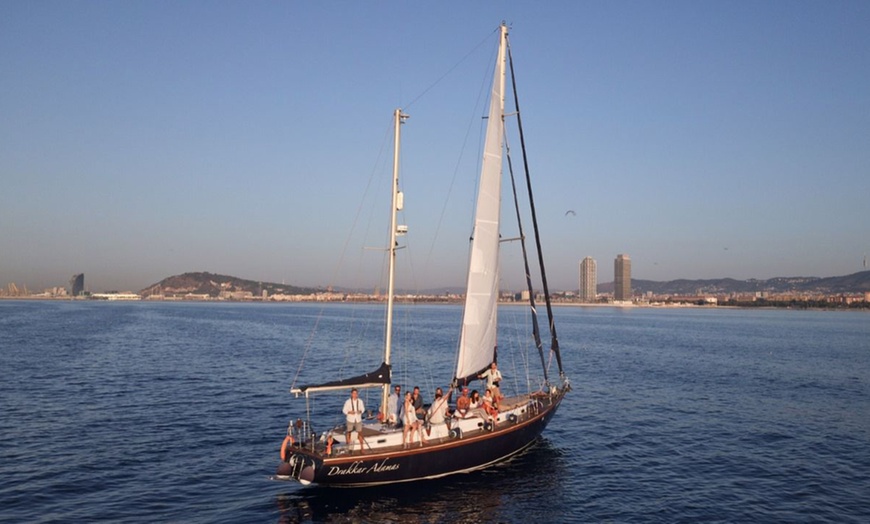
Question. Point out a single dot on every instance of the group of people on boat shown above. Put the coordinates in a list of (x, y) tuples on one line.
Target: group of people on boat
[(415, 418)]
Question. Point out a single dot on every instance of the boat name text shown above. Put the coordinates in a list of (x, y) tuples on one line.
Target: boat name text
[(359, 468)]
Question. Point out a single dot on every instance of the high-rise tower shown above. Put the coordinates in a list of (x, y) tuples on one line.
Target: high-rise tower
[(77, 284), (622, 278), (588, 280)]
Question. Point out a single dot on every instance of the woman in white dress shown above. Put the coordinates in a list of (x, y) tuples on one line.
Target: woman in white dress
[(475, 400), (410, 422)]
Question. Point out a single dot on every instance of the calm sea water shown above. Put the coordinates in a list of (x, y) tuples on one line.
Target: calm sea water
[(161, 412)]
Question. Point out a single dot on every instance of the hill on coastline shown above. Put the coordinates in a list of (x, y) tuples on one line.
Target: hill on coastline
[(204, 283), (854, 283)]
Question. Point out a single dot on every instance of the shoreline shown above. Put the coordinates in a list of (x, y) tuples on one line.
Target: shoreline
[(836, 307)]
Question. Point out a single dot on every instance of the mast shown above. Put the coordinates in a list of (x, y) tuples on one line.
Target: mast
[(396, 205)]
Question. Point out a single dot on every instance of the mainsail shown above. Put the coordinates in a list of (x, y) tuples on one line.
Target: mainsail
[(478, 338)]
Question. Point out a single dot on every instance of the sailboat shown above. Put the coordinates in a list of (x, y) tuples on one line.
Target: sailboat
[(480, 439)]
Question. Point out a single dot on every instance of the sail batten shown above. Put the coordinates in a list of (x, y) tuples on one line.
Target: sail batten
[(479, 326)]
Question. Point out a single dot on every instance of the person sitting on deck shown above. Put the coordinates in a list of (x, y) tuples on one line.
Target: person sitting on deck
[(437, 412), (489, 405), (463, 405), (410, 422), (353, 410), (474, 400)]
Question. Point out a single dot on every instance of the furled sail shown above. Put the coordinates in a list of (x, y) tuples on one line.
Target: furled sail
[(478, 338), (376, 378)]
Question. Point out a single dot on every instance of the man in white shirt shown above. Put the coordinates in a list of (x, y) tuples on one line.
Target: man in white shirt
[(438, 412), (493, 378), (394, 407), (353, 409)]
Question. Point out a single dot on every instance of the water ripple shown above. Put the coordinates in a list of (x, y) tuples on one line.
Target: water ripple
[(174, 412)]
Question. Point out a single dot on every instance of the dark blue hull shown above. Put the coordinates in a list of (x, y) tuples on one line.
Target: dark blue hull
[(437, 459)]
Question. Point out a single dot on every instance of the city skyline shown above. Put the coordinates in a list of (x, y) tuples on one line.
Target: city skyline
[(708, 140), (588, 291)]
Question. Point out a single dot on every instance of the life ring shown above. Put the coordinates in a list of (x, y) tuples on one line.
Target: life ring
[(287, 439)]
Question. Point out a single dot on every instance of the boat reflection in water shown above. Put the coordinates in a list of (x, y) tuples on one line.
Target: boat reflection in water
[(475, 497)]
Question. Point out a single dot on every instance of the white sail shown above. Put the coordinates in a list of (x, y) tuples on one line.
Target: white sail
[(478, 338)]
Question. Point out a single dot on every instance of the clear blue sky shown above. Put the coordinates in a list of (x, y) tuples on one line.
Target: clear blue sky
[(704, 139)]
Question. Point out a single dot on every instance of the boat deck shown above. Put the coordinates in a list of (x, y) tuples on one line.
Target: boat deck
[(381, 437)]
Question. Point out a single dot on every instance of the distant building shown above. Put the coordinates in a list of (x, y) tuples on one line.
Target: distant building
[(588, 280), (622, 278), (77, 284), (128, 295)]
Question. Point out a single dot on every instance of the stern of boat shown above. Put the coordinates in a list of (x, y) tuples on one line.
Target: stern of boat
[(297, 466), (300, 453)]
